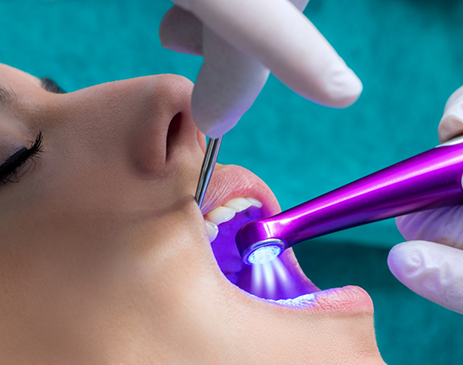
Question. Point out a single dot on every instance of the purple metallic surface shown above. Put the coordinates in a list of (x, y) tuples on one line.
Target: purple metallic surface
[(429, 180), (278, 282)]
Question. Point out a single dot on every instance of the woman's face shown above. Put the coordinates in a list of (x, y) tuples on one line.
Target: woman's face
[(105, 256)]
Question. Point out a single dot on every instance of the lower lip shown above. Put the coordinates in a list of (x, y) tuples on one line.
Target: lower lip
[(346, 299)]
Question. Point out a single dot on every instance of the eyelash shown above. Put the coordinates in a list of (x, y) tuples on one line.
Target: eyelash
[(13, 164)]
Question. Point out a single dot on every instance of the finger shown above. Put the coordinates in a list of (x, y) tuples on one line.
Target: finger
[(451, 124), (442, 225), (286, 42), (181, 31), (227, 85), (431, 270)]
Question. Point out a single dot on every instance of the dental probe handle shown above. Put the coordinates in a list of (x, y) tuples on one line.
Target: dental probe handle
[(429, 180), (207, 168)]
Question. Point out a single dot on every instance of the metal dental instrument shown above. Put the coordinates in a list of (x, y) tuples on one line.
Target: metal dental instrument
[(210, 158), (429, 180)]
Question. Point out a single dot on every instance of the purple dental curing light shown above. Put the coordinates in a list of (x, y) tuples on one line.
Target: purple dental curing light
[(429, 180)]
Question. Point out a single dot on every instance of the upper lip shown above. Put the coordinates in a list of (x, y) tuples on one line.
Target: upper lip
[(231, 181)]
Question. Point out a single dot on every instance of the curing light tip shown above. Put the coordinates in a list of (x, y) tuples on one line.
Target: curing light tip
[(264, 254)]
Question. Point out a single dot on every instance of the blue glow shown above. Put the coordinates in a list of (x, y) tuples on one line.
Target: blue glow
[(270, 280), (264, 254), (264, 280)]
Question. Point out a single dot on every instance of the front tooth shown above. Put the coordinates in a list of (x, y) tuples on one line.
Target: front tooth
[(212, 230), (220, 215), (238, 204), (255, 202)]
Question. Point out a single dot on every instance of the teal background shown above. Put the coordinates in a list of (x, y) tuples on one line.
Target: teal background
[(408, 55)]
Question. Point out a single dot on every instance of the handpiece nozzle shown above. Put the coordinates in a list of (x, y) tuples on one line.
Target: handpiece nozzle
[(263, 251), (429, 180)]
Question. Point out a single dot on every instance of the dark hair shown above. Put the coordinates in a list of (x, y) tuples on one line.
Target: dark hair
[(51, 86)]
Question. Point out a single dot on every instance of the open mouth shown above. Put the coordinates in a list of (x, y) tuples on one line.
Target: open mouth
[(281, 281), (236, 197)]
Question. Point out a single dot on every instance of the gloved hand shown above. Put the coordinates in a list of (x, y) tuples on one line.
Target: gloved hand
[(431, 263), (240, 41)]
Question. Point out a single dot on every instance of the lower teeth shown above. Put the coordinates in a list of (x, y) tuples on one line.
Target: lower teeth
[(302, 301), (299, 302)]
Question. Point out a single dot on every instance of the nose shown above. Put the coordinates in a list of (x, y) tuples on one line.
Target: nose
[(167, 131), (149, 118)]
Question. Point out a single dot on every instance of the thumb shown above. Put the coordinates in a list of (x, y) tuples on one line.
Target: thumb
[(431, 270)]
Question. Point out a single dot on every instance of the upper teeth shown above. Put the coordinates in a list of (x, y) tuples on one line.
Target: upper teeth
[(221, 214), (238, 204), (226, 212), (212, 230)]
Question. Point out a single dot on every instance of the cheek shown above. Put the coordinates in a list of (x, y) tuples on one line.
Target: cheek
[(83, 185)]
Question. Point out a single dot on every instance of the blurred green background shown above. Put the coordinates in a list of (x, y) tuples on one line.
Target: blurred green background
[(408, 55)]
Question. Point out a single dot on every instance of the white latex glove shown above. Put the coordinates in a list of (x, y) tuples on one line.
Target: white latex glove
[(240, 41), (431, 263)]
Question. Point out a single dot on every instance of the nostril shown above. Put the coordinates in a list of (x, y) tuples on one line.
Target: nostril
[(183, 136), (173, 134), (158, 142)]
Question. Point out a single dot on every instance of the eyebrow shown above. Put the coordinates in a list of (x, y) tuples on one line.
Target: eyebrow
[(46, 83), (6, 95)]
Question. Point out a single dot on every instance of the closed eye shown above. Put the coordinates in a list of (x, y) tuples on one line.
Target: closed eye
[(13, 164)]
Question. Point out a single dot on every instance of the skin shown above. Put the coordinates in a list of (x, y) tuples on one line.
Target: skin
[(103, 254)]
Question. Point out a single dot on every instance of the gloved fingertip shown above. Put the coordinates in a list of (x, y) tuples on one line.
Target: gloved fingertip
[(216, 131), (451, 124), (340, 87), (353, 90), (456, 96), (214, 123), (404, 261), (431, 270)]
